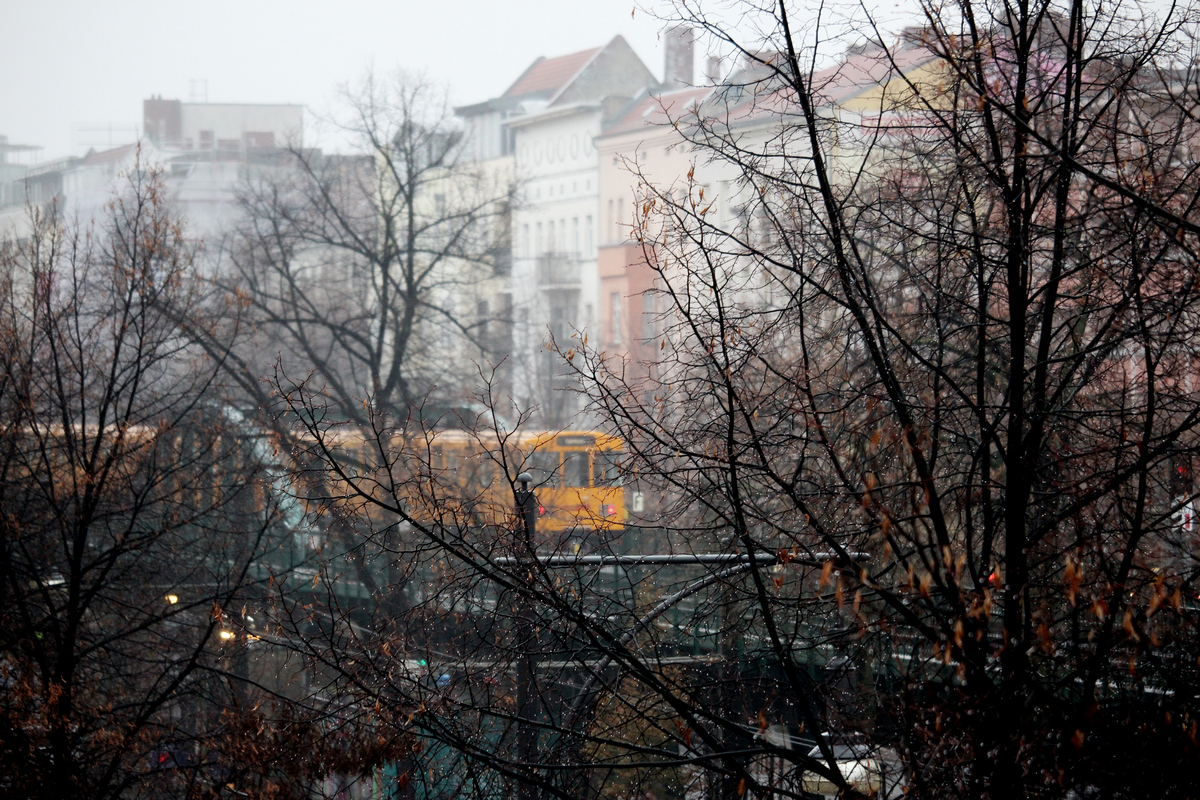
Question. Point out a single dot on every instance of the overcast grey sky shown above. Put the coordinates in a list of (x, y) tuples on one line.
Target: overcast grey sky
[(71, 64), (70, 68)]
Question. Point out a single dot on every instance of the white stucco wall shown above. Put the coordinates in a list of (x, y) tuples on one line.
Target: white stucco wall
[(558, 174)]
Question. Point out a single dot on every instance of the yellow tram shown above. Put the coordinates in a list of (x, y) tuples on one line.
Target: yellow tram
[(576, 476), (461, 474)]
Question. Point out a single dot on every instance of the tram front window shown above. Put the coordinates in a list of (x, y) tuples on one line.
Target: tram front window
[(575, 470), (543, 466), (608, 468)]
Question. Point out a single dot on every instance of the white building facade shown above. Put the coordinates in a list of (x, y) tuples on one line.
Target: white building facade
[(548, 120), (555, 281)]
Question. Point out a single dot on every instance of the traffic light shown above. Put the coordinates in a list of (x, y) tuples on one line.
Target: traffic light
[(1180, 483)]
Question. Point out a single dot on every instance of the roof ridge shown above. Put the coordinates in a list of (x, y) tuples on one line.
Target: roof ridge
[(595, 54), (521, 77), (552, 66)]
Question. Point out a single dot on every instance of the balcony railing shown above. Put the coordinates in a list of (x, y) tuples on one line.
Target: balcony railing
[(558, 269)]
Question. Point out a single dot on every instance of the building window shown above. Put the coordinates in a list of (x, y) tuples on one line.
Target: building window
[(538, 244), (587, 236), (483, 319), (525, 241), (615, 302), (621, 221), (550, 237), (575, 235), (647, 315), (253, 138)]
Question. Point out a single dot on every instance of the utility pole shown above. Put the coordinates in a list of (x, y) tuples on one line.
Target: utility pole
[(724, 787), (525, 640)]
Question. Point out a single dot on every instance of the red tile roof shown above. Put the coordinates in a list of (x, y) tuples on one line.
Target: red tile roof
[(113, 156), (661, 109), (550, 74), (834, 84), (859, 73)]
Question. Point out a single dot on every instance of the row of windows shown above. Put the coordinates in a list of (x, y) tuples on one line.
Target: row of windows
[(638, 326), (620, 220), (576, 235), (576, 469), (555, 236)]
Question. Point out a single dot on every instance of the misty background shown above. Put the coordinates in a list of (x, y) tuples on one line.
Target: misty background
[(80, 71)]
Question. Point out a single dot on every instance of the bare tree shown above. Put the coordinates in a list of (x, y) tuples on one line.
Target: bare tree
[(922, 424), (374, 275), (955, 336), (139, 522), (373, 270), (114, 577)]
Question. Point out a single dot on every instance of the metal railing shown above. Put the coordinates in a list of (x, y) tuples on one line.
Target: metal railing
[(558, 269)]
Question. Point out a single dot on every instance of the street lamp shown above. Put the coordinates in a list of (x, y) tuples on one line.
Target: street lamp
[(526, 658), (527, 509)]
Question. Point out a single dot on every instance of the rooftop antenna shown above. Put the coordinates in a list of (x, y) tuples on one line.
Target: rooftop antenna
[(15, 149)]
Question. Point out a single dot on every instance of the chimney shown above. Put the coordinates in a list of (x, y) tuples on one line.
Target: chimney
[(679, 68), (162, 120), (712, 70)]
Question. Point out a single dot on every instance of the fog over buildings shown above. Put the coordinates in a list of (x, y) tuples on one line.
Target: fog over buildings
[(77, 73), (514, 401), (554, 130), (537, 133)]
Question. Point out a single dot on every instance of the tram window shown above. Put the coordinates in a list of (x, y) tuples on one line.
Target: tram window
[(543, 465), (607, 468), (575, 469), (484, 471)]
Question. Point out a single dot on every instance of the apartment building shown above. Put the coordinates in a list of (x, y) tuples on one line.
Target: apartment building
[(548, 121), (663, 148)]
